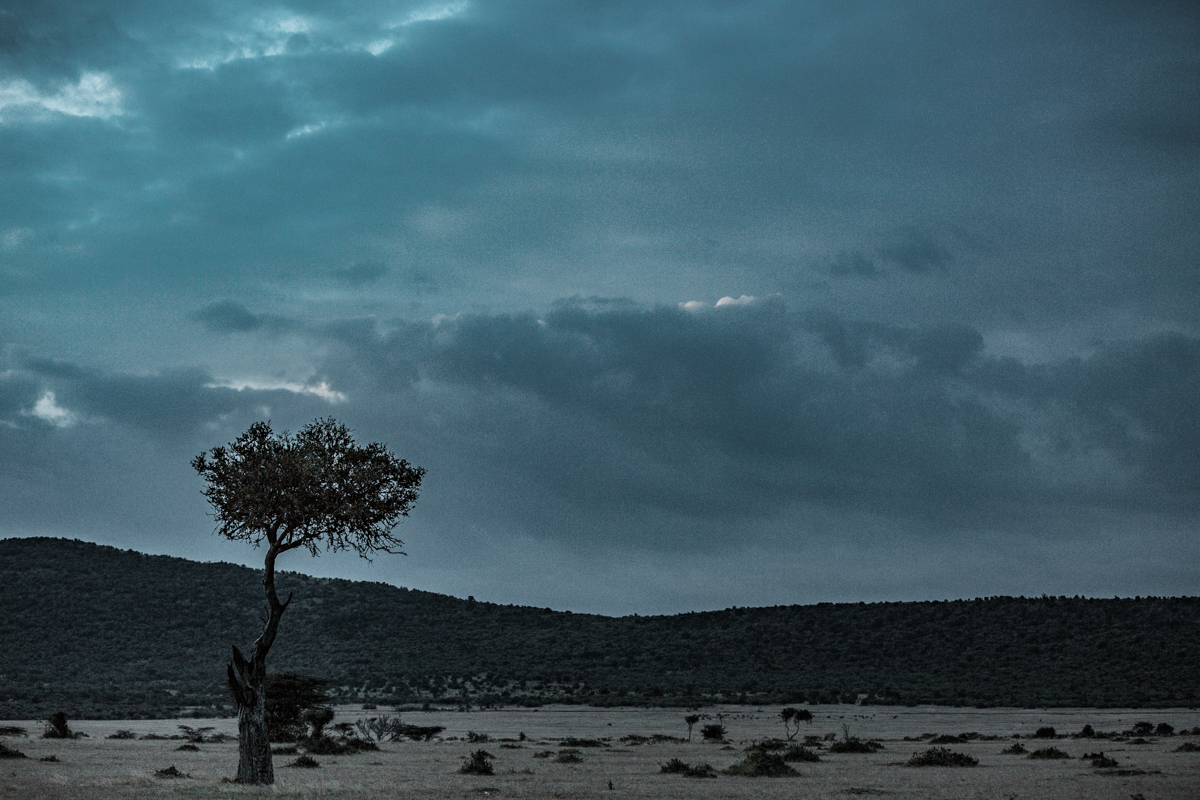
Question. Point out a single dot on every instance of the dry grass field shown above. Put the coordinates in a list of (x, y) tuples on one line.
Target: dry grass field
[(97, 767)]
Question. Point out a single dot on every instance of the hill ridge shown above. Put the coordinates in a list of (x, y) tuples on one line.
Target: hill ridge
[(148, 635)]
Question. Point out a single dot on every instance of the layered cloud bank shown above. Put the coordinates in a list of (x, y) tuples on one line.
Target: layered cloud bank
[(655, 432)]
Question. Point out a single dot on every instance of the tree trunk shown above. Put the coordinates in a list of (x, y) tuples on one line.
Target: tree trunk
[(254, 746), (247, 679)]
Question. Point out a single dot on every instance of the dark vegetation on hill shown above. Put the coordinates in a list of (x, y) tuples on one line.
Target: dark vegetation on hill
[(101, 632)]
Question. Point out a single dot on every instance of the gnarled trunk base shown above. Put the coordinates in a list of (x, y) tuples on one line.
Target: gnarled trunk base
[(254, 747)]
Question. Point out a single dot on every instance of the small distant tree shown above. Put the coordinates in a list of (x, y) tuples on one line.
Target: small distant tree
[(792, 717), (289, 697), (316, 489), (691, 719)]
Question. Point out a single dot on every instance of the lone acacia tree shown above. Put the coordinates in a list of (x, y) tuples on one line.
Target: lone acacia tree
[(316, 489)]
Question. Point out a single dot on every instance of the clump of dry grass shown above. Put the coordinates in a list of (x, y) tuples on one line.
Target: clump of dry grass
[(171, 772), (941, 757)]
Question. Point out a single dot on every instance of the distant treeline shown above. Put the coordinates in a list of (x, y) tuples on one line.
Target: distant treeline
[(100, 632)]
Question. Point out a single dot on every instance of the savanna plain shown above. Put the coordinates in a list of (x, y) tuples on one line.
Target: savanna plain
[(620, 752)]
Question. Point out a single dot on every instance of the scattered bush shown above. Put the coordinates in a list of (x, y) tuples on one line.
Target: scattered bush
[(478, 763), (948, 739), (568, 757), (188, 747), (941, 757), (284, 750), (57, 727), (1087, 733), (380, 728), (714, 732), (677, 767), (10, 752), (1045, 733), (122, 734), (1100, 760), (326, 746), (13, 730), (1163, 729), (761, 764), (769, 745), (854, 745), (571, 741), (1048, 752), (1016, 750), (171, 772), (305, 762), (477, 738), (544, 754), (799, 753), (1188, 747), (1143, 729), (423, 733)]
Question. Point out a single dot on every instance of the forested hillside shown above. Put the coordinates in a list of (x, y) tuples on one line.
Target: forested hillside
[(97, 631)]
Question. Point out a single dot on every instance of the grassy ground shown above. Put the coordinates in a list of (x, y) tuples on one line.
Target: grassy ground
[(97, 768)]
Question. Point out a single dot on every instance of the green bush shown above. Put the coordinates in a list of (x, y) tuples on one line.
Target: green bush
[(714, 732), (305, 762), (941, 757)]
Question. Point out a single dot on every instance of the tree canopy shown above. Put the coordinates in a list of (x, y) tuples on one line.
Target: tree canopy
[(315, 488)]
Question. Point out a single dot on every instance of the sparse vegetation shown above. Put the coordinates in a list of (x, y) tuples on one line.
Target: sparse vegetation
[(305, 762), (122, 734), (1017, 749), (478, 763), (799, 753), (713, 732), (568, 756), (1099, 760), (171, 772), (57, 727), (10, 752), (1048, 753), (1188, 747), (677, 767), (792, 717), (761, 764), (941, 757)]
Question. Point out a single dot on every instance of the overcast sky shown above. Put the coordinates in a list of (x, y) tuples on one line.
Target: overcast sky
[(682, 305)]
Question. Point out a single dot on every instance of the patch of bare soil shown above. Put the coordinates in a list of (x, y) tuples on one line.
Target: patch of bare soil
[(640, 742)]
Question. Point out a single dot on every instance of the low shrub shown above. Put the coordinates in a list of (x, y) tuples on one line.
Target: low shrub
[(189, 747), (1099, 760), (57, 727), (1188, 747), (714, 732), (284, 750), (1142, 729), (327, 746), (305, 762), (1087, 733), (122, 734), (478, 763), (10, 752), (171, 772), (677, 767), (761, 764), (1016, 750), (13, 730), (570, 756), (1048, 753), (769, 745), (477, 738), (573, 742), (544, 754), (941, 757), (1163, 729), (948, 739), (799, 753), (1045, 733), (853, 745)]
